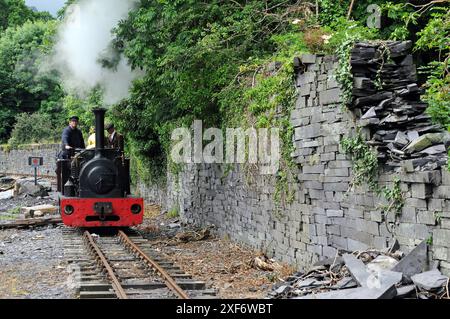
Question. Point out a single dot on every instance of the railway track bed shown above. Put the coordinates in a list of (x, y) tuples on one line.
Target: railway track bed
[(124, 265)]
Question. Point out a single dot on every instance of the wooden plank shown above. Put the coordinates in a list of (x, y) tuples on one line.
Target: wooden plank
[(34, 222)]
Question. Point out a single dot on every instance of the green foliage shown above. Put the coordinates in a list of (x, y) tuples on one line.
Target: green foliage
[(330, 11), (34, 128), (430, 240), (365, 161), (14, 211), (394, 196), (263, 96), (173, 213), (15, 13), (344, 34), (448, 161), (191, 52), (63, 11), (435, 36), (23, 87), (404, 15), (437, 217)]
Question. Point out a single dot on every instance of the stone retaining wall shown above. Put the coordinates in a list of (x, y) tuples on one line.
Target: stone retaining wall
[(324, 216), (16, 161)]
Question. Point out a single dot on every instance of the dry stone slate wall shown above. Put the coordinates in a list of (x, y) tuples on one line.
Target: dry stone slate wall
[(16, 161), (325, 215)]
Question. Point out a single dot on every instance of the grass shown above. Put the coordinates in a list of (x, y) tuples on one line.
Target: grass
[(173, 213)]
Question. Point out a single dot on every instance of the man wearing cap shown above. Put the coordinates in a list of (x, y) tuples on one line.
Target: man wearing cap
[(115, 140), (72, 137)]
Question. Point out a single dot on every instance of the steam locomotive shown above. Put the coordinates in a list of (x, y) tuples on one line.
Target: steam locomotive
[(94, 186)]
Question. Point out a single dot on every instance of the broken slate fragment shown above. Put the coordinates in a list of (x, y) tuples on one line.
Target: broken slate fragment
[(401, 139), (7, 194), (430, 280), (423, 142), (344, 283), (369, 114), (413, 135), (413, 263), (330, 261), (384, 278), (282, 290), (381, 263), (357, 269), (405, 291), (356, 293), (433, 150), (305, 283)]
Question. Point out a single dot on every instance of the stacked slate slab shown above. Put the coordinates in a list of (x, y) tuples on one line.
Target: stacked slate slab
[(387, 101)]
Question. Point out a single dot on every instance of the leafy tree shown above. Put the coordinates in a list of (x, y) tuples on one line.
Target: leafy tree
[(23, 87), (436, 36), (191, 51), (16, 12), (34, 128)]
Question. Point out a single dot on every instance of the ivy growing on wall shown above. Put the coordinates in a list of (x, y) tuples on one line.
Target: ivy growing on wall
[(365, 161)]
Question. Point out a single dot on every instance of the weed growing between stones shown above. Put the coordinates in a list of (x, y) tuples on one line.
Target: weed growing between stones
[(173, 213), (365, 161), (395, 199)]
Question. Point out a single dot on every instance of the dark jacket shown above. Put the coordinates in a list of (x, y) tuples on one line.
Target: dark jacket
[(116, 142), (73, 138)]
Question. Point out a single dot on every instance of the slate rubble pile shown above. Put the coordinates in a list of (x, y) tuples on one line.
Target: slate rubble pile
[(370, 274), (388, 99)]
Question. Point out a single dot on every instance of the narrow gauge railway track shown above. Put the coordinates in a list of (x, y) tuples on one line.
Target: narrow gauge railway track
[(124, 265)]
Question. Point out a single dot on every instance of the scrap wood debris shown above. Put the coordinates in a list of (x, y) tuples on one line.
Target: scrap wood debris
[(225, 265), (187, 236), (264, 263), (369, 274)]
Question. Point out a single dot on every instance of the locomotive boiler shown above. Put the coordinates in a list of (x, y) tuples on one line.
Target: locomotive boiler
[(94, 186)]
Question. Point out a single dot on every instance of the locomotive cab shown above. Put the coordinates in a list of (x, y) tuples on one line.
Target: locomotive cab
[(94, 186)]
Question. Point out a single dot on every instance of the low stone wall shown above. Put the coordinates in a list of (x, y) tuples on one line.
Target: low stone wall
[(15, 161), (325, 215)]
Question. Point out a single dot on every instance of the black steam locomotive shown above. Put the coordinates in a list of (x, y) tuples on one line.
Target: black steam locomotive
[(94, 186)]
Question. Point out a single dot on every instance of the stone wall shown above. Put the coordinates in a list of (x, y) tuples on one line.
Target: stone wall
[(16, 161), (325, 215)]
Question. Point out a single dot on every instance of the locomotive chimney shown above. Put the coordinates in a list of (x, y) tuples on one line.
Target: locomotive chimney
[(99, 128)]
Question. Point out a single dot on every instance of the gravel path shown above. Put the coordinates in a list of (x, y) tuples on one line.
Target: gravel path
[(32, 264)]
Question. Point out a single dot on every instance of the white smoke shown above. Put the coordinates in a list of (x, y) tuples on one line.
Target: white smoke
[(84, 36)]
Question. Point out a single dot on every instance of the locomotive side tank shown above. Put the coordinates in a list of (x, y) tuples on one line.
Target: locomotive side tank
[(95, 186)]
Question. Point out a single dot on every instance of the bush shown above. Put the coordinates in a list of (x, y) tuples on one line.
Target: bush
[(34, 128)]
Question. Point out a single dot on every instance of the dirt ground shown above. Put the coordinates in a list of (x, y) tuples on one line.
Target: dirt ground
[(224, 265)]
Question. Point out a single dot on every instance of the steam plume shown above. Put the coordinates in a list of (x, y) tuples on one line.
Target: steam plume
[(84, 38)]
